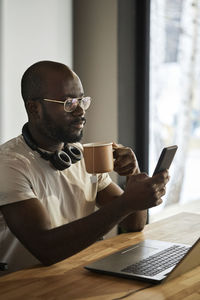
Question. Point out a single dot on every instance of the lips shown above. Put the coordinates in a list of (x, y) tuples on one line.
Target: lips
[(79, 123)]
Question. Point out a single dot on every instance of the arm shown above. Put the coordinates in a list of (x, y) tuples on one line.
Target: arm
[(134, 222), (137, 220), (30, 223), (125, 165)]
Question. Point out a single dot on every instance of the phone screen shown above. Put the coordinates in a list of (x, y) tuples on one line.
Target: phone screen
[(165, 159)]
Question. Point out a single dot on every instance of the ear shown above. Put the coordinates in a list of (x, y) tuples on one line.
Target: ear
[(33, 108)]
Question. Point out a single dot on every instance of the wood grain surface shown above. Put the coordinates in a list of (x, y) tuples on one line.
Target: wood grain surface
[(69, 280)]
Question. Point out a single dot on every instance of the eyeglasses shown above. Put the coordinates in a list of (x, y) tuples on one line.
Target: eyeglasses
[(70, 104)]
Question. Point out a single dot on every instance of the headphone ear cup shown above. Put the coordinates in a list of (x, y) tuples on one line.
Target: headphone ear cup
[(74, 153), (60, 160)]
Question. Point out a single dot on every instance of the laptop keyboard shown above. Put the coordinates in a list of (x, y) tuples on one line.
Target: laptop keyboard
[(158, 262)]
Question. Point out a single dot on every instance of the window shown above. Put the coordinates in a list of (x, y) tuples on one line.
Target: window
[(175, 95)]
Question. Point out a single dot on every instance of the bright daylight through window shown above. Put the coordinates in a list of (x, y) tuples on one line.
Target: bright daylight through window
[(175, 95)]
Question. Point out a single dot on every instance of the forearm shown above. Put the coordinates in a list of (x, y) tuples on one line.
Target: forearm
[(59, 243), (137, 220)]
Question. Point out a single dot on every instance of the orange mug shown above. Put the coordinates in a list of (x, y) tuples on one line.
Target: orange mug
[(98, 157)]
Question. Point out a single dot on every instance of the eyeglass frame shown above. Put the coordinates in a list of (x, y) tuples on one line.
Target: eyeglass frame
[(80, 100)]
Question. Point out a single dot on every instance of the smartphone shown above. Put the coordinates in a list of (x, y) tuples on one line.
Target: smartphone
[(165, 159)]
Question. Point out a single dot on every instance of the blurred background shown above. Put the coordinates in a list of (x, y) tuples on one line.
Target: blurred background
[(140, 62)]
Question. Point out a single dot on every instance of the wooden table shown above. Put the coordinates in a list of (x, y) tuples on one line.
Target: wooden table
[(69, 280)]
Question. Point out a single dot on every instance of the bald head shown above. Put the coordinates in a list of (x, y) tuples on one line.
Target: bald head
[(38, 77)]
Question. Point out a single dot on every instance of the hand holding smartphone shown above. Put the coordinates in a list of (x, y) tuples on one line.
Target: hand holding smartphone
[(165, 159)]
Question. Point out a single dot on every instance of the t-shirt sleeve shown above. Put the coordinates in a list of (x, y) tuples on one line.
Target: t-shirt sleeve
[(103, 181), (14, 183)]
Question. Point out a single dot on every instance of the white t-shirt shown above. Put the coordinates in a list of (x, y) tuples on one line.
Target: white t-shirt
[(67, 195)]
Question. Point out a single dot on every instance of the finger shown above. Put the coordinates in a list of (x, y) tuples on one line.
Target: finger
[(126, 170), (163, 174), (116, 146), (129, 172), (159, 186), (124, 161), (160, 192), (123, 151), (159, 201), (163, 191), (162, 177), (138, 177)]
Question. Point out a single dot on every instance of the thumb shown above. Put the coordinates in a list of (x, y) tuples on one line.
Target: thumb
[(114, 145), (139, 177)]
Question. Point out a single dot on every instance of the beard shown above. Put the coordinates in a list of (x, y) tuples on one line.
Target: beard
[(60, 134)]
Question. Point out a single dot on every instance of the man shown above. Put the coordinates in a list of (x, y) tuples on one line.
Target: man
[(47, 214)]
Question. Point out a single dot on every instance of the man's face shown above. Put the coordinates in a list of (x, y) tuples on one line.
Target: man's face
[(55, 123)]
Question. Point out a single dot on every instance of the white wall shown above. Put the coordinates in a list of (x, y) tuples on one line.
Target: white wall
[(31, 30)]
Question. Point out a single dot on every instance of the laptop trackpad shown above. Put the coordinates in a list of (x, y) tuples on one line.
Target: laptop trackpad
[(138, 252), (129, 256)]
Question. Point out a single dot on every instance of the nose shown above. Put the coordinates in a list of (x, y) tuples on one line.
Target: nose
[(79, 111)]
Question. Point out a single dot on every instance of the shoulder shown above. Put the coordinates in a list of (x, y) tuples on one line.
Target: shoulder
[(15, 150)]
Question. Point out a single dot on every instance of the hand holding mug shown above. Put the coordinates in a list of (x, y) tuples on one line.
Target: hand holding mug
[(125, 163), (104, 157)]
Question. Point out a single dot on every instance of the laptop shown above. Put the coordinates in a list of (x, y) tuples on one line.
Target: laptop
[(151, 261)]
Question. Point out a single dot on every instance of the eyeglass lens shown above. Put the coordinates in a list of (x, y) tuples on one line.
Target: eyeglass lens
[(71, 104)]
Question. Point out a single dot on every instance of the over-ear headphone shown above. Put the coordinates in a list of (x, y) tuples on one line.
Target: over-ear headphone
[(61, 160)]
